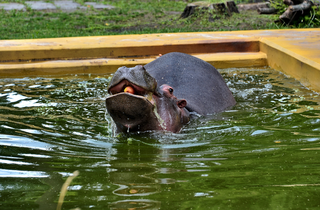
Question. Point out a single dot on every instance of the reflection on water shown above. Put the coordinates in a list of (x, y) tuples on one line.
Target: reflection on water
[(261, 154)]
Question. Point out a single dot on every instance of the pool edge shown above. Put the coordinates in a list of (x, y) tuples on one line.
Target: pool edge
[(291, 51)]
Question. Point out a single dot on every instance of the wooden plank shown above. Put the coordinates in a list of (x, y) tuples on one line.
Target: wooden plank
[(103, 66)]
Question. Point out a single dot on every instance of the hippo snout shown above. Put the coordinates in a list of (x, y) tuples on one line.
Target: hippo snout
[(137, 77)]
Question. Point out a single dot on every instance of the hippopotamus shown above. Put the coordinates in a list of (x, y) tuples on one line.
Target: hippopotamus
[(164, 93)]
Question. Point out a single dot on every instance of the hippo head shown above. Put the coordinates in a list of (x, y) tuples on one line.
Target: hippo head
[(136, 103)]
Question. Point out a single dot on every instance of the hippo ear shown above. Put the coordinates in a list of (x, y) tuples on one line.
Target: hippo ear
[(182, 103)]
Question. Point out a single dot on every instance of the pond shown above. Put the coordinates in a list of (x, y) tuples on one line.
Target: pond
[(261, 154)]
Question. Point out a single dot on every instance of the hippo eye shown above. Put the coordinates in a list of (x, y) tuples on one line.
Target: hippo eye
[(171, 90)]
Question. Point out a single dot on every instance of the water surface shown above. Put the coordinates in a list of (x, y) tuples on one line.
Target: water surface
[(261, 154)]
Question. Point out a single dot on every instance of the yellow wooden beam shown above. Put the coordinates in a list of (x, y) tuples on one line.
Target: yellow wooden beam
[(298, 62), (119, 46), (103, 66)]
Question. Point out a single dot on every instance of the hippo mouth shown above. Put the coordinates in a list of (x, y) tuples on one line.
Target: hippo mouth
[(126, 86), (132, 107)]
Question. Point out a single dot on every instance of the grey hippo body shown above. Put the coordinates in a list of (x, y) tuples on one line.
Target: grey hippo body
[(164, 92)]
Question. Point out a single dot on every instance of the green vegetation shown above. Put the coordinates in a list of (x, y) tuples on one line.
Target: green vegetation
[(303, 19), (129, 17)]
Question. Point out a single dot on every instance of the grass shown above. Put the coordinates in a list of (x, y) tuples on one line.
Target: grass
[(129, 17)]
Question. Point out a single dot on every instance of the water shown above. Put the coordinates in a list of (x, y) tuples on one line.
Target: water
[(261, 154)]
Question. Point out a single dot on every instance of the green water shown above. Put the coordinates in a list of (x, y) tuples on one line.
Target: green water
[(261, 154)]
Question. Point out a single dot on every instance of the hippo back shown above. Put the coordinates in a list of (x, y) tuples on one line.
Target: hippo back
[(194, 80)]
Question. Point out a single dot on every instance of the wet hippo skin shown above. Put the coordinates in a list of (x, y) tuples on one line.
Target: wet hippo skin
[(194, 80)]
